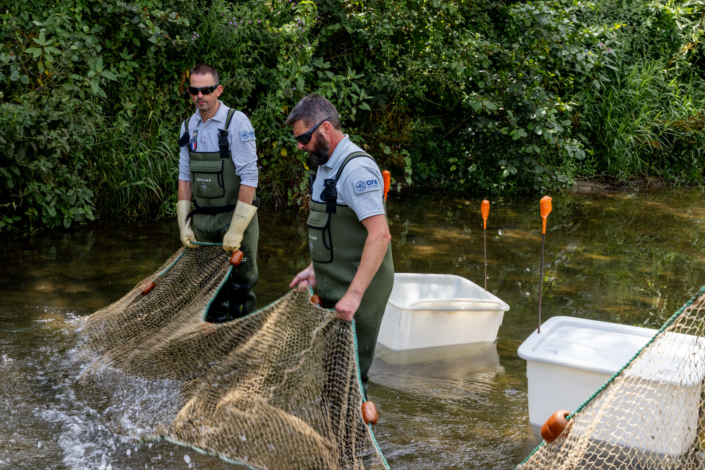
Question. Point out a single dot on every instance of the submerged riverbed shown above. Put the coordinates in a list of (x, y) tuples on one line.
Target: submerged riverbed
[(630, 258)]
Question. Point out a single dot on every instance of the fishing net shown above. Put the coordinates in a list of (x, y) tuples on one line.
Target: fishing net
[(649, 415), (276, 389)]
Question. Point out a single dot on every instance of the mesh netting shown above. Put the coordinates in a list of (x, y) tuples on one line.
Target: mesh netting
[(275, 389), (648, 415)]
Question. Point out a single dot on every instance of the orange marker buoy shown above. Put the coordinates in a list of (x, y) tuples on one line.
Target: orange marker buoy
[(387, 177), (546, 207), (369, 413), (236, 258), (148, 288), (316, 300), (554, 426), (485, 211)]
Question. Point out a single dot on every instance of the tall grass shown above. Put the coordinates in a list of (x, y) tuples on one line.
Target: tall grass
[(648, 122), (138, 173)]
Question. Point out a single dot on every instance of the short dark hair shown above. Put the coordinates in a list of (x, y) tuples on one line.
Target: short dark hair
[(203, 69), (313, 109)]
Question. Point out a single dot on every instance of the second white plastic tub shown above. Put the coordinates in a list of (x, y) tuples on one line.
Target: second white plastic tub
[(571, 358), (430, 310)]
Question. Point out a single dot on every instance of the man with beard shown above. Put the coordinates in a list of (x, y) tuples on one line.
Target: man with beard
[(218, 169), (349, 239)]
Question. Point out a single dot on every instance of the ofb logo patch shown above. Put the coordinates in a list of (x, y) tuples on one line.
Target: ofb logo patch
[(204, 186), (364, 186), (247, 135)]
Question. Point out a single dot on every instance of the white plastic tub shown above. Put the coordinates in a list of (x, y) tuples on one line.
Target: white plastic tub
[(573, 357), (429, 310)]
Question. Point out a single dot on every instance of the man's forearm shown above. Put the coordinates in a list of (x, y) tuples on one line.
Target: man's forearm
[(184, 193), (246, 194), (372, 256)]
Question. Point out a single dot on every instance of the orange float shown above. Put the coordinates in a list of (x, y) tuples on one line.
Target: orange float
[(316, 300), (236, 258), (208, 327), (554, 426), (148, 288), (369, 413)]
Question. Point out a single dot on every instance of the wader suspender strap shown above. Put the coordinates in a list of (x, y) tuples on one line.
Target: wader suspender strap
[(352, 156), (330, 191), (183, 140), (311, 179), (224, 147), (223, 143)]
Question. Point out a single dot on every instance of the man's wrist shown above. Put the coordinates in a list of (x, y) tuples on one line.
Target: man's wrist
[(356, 291)]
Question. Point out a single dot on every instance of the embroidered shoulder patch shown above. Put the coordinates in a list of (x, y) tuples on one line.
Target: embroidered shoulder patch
[(366, 185), (247, 135)]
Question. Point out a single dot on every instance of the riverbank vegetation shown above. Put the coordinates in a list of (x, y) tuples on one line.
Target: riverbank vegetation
[(480, 98)]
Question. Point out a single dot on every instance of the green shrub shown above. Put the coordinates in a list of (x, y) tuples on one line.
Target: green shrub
[(484, 97)]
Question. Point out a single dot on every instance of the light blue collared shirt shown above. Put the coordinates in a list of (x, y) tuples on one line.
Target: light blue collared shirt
[(241, 136), (360, 186)]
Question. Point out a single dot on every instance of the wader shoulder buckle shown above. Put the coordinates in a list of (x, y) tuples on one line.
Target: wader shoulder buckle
[(223, 143), (330, 195)]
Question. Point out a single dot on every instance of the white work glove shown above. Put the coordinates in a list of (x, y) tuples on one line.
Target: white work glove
[(241, 219), (187, 236)]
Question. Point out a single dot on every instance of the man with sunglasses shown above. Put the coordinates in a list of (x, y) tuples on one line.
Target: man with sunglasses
[(349, 240), (218, 171)]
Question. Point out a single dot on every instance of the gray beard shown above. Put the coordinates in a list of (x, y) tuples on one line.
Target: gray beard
[(320, 158), (320, 153)]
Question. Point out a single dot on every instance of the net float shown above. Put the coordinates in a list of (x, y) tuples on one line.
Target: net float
[(554, 426), (236, 258), (148, 288), (208, 327), (369, 413), (316, 300)]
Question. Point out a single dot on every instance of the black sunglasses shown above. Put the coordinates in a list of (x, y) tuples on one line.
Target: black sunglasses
[(305, 138), (206, 90)]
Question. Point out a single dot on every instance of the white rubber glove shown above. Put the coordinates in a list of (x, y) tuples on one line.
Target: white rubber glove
[(241, 219), (187, 235)]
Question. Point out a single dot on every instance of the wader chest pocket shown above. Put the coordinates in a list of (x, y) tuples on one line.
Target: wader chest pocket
[(207, 179), (320, 241)]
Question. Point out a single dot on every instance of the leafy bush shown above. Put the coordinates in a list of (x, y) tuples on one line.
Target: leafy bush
[(484, 97)]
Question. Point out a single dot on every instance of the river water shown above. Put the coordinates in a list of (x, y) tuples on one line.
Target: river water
[(630, 258)]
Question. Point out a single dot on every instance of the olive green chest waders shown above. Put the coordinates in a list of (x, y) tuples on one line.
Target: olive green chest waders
[(336, 240), (215, 188)]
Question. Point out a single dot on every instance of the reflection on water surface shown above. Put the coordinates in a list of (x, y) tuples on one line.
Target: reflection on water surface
[(624, 258)]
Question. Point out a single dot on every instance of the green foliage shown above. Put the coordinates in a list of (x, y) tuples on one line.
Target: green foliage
[(650, 122), (484, 97), (649, 117), (48, 143)]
